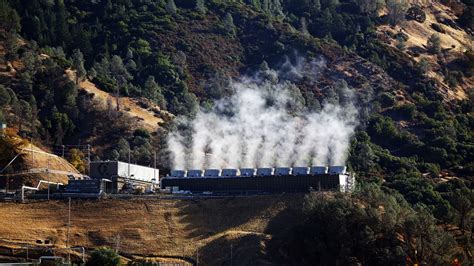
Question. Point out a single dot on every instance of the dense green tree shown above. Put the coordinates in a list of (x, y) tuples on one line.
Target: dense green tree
[(4, 96), (2, 117), (462, 201), (61, 27), (12, 44), (364, 228), (104, 257), (123, 148), (362, 157), (9, 18)]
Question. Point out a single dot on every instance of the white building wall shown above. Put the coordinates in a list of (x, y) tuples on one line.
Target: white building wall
[(137, 172)]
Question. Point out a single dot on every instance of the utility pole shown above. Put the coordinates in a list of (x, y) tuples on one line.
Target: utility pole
[(129, 164), (231, 255), (154, 167), (32, 154), (68, 227), (89, 158), (197, 256), (47, 173)]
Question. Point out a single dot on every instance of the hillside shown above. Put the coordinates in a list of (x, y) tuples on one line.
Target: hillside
[(384, 87), (454, 41), (174, 228), (27, 164), (146, 113)]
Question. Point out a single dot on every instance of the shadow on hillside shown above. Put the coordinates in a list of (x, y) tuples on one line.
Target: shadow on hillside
[(250, 248), (235, 250), (279, 228), (207, 217)]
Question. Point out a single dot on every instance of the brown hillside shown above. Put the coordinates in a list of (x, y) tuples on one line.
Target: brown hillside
[(149, 118), (454, 42), (157, 227), (31, 164)]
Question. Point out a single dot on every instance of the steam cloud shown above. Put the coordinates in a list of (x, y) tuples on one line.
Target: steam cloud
[(265, 124)]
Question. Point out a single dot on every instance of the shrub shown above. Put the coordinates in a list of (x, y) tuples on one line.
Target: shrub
[(437, 28), (141, 132), (416, 13), (104, 257), (434, 44), (408, 110)]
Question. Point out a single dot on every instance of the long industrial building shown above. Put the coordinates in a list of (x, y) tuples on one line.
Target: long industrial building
[(260, 180)]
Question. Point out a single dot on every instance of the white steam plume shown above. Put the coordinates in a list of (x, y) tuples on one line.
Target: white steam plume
[(265, 124)]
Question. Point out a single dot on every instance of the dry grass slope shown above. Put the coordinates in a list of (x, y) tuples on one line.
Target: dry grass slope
[(154, 228), (30, 166)]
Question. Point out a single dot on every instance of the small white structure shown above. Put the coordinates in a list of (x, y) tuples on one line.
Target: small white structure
[(281, 171), (300, 171), (337, 170), (229, 172), (194, 173), (212, 172), (249, 172), (319, 170), (265, 171), (178, 173)]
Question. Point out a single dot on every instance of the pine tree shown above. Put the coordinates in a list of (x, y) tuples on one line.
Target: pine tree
[(120, 74), (401, 43), (423, 66), (434, 44), (78, 64), (2, 117), (171, 7), (119, 71), (153, 92), (317, 5), (9, 18), (276, 10), (201, 6), (62, 32), (4, 96), (304, 26), (229, 26), (123, 149), (396, 11)]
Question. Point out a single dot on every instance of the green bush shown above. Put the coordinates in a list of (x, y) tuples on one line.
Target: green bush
[(104, 257)]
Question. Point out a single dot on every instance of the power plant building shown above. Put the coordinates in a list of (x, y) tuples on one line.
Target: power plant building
[(121, 173), (261, 180)]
